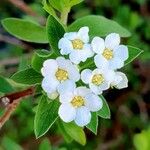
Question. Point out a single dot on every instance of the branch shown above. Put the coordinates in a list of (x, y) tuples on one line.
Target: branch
[(11, 101)]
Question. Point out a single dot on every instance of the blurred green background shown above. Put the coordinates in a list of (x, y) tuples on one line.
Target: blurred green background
[(129, 127)]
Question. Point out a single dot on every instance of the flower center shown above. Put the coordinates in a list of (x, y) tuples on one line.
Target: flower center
[(97, 79), (77, 101), (108, 54), (77, 44), (61, 74)]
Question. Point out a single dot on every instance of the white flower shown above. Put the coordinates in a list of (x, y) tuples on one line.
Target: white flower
[(56, 72), (77, 104), (76, 44), (120, 80), (109, 53), (98, 80)]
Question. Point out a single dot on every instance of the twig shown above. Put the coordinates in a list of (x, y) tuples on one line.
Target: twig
[(11, 101), (23, 6), (15, 41)]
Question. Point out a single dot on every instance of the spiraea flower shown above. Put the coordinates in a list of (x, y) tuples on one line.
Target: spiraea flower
[(98, 79), (77, 104), (76, 44), (55, 72), (120, 80), (109, 52)]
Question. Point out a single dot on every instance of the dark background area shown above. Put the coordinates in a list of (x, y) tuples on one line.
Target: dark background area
[(130, 107)]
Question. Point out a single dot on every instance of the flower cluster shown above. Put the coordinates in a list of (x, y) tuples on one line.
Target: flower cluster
[(78, 90)]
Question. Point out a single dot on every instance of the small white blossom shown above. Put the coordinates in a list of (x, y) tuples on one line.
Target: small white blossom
[(55, 72), (120, 80), (76, 44), (77, 103), (109, 53), (98, 80)]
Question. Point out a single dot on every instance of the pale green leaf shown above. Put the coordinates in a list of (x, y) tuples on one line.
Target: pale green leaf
[(55, 32), (75, 2), (46, 115), (28, 76), (93, 123), (99, 26), (105, 111), (25, 30)]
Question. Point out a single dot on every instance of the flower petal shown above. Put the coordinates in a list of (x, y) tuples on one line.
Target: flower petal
[(124, 82), (83, 34), (71, 35), (100, 61), (104, 86), (112, 40), (93, 102), (86, 75), (95, 89), (121, 52), (83, 116), (49, 67), (66, 112), (75, 57), (116, 63), (52, 95), (98, 45), (82, 91), (49, 85), (66, 97), (66, 86), (73, 72), (88, 51), (65, 45)]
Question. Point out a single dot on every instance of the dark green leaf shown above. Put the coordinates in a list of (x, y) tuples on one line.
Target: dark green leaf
[(105, 111), (27, 76), (39, 57), (55, 32), (46, 115), (25, 30), (5, 86), (75, 132), (99, 26), (94, 123), (134, 52)]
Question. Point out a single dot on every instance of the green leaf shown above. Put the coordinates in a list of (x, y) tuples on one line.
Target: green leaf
[(55, 32), (46, 115), (142, 140), (28, 76), (39, 57), (99, 26), (47, 7), (5, 86), (25, 30), (45, 145), (75, 2), (63, 132), (75, 132), (105, 111), (8, 144), (94, 123), (134, 52)]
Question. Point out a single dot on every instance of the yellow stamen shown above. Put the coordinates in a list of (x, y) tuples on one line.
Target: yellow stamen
[(97, 79), (77, 44), (108, 54), (77, 101), (61, 74)]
